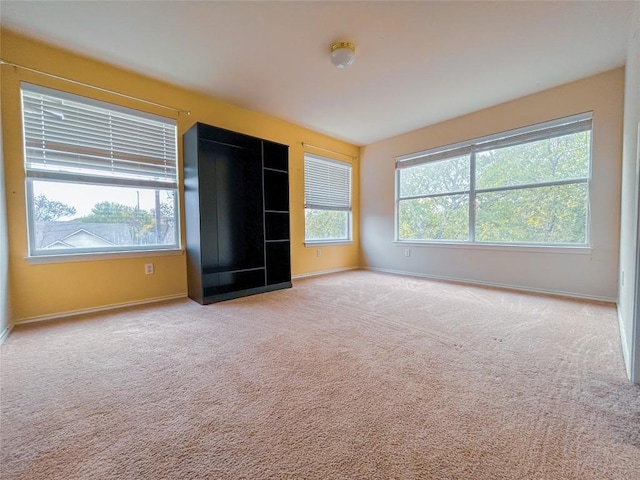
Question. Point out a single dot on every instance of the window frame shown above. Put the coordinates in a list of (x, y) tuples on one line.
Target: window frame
[(348, 210), (515, 137), (39, 255)]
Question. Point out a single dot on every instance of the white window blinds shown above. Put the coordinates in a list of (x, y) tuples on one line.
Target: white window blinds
[(327, 184), (68, 137), (541, 131)]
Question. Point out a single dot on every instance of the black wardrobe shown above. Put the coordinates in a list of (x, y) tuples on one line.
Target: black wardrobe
[(237, 214)]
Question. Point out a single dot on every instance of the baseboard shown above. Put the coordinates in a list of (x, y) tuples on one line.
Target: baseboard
[(497, 285), (626, 354), (5, 334), (83, 311), (323, 272)]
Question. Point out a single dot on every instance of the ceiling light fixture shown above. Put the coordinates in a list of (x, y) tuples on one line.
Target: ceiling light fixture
[(343, 54)]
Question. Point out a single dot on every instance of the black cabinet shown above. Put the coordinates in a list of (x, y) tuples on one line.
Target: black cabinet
[(237, 214)]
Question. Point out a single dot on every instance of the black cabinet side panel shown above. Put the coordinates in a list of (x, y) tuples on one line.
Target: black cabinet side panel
[(192, 213)]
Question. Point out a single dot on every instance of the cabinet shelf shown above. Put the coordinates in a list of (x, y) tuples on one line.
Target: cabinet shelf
[(276, 170), (208, 271)]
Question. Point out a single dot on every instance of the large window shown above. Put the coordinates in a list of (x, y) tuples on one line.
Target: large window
[(100, 178), (528, 186), (327, 200)]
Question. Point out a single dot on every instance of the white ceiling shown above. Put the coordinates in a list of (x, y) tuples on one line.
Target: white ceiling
[(418, 63)]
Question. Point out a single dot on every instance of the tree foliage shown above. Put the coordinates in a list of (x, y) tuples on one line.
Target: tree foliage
[(326, 224), (164, 223), (45, 210), (141, 223), (531, 214)]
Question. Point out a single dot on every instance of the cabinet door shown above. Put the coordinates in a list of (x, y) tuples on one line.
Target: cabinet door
[(236, 192)]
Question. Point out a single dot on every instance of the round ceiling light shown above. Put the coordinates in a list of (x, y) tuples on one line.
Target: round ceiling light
[(343, 54)]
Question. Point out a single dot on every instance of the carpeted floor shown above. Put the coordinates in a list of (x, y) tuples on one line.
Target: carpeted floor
[(355, 375)]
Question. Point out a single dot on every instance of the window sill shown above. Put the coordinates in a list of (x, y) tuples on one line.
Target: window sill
[(316, 243), (552, 249), (90, 257)]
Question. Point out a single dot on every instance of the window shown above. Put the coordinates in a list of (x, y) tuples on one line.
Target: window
[(527, 186), (100, 178), (327, 200)]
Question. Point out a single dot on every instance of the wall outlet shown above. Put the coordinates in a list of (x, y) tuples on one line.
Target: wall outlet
[(318, 252), (622, 279), (148, 268), (407, 252)]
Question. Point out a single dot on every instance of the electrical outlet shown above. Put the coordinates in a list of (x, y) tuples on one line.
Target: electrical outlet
[(622, 279), (407, 252), (318, 252), (148, 268)]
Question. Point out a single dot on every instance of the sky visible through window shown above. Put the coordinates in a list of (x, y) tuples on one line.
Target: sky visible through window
[(84, 197)]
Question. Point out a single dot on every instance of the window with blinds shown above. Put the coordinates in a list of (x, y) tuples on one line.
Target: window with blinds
[(327, 199), (526, 186), (100, 177)]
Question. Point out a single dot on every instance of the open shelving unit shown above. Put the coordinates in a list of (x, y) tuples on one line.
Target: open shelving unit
[(237, 214)]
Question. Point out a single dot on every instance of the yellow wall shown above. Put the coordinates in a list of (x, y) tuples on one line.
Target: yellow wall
[(41, 290)]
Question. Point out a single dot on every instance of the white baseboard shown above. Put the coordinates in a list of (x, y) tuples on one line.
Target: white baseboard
[(5, 334), (626, 354), (497, 285), (323, 272), (104, 308)]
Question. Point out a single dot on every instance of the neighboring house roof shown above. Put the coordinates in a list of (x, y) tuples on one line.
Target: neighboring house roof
[(81, 239), (76, 234)]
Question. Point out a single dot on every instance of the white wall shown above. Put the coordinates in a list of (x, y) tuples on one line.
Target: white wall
[(628, 301), (591, 275)]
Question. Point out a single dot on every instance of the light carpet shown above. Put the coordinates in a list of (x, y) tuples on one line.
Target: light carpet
[(355, 375)]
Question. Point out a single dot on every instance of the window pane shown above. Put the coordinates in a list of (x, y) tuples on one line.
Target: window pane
[(326, 225), (443, 176), (72, 216), (435, 218), (556, 214), (559, 158)]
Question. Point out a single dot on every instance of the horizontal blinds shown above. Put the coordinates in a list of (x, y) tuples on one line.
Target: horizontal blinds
[(67, 136), (535, 135), (435, 156), (541, 131), (327, 184)]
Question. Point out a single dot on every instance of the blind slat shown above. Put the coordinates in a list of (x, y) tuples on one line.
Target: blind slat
[(88, 164), (542, 131), (102, 137), (68, 134), (327, 184), (96, 150), (536, 135)]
